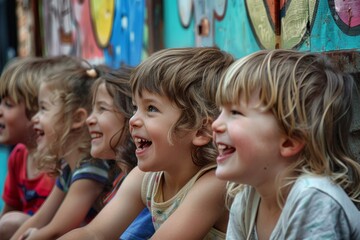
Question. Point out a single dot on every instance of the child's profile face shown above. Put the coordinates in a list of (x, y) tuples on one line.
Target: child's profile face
[(46, 118), (15, 127), (150, 126), (105, 125), (248, 140)]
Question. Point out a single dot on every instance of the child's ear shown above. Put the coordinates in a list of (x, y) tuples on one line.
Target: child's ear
[(79, 118), (290, 147), (204, 135)]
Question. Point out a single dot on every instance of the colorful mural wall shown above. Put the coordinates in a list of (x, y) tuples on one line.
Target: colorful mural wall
[(125, 31), (110, 32), (244, 26)]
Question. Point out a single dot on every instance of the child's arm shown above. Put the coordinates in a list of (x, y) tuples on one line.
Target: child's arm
[(203, 208), (72, 212), (7, 208), (44, 214), (117, 215)]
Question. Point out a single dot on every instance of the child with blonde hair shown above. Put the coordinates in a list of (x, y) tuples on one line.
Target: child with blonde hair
[(63, 149), (26, 188), (108, 125), (283, 136), (173, 93)]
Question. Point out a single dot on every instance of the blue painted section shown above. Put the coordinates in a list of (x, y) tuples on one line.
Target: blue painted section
[(136, 20), (4, 154), (175, 35), (234, 32), (327, 36), (237, 39), (127, 34)]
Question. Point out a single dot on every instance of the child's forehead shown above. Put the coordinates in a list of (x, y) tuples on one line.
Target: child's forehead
[(147, 94), (148, 97)]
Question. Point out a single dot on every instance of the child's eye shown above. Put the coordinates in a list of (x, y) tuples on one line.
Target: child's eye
[(8, 103), (235, 112), (101, 109), (134, 109), (152, 109), (42, 108)]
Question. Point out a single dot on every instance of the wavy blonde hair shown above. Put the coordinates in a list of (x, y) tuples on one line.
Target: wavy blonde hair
[(311, 100), (72, 89), (188, 77)]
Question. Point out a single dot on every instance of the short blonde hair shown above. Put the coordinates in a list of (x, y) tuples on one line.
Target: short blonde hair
[(311, 100)]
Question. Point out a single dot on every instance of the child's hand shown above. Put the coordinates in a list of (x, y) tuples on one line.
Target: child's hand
[(28, 233)]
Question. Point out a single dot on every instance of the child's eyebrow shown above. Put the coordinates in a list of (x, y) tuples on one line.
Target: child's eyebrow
[(102, 102), (154, 102), (41, 102)]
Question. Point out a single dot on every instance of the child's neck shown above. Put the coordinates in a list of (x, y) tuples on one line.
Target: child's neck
[(174, 181), (30, 144), (31, 168), (267, 217), (269, 210), (72, 158)]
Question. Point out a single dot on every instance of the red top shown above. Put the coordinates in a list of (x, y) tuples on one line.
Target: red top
[(26, 195)]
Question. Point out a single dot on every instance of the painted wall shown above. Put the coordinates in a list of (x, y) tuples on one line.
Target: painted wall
[(244, 26), (117, 31), (109, 31)]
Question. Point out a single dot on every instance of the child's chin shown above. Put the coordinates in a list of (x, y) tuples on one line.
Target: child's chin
[(40, 146), (102, 154), (221, 173)]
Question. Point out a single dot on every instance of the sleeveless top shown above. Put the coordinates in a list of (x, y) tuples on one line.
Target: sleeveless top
[(152, 196)]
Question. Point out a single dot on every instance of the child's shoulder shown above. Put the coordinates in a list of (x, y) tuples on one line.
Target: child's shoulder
[(206, 180), (94, 170), (18, 155), (93, 163), (19, 149), (323, 191), (97, 170), (319, 183)]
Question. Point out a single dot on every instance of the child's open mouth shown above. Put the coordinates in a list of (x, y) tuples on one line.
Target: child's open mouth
[(142, 143), (225, 149), (39, 134)]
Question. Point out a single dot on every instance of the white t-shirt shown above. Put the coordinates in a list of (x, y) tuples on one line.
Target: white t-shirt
[(316, 208)]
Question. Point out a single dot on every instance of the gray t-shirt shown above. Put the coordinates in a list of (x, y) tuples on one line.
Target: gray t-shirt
[(315, 209)]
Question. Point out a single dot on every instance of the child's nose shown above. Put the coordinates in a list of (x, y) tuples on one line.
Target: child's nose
[(135, 120), (35, 118), (218, 125), (90, 120)]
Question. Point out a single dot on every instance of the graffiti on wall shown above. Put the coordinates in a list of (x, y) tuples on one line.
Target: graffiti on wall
[(204, 13), (109, 32), (347, 16), (242, 27), (116, 32)]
